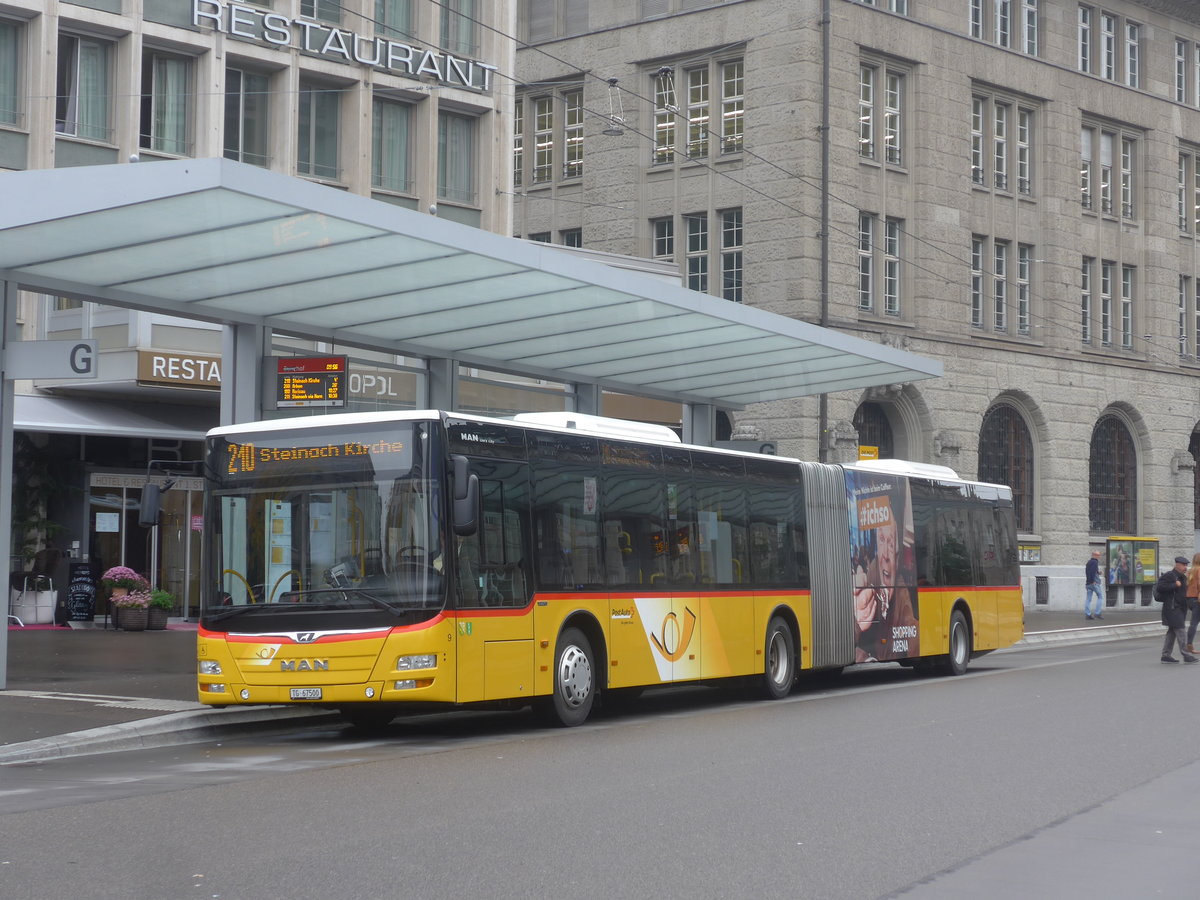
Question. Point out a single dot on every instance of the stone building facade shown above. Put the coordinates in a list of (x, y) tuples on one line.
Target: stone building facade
[(1009, 186)]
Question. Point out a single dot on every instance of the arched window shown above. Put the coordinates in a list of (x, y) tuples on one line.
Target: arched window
[(1112, 478), (1006, 457), (874, 429)]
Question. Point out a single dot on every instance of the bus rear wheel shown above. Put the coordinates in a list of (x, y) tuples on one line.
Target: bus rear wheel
[(960, 645), (779, 662), (574, 678)]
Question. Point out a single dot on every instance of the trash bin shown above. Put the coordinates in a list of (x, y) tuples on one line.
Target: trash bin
[(31, 598)]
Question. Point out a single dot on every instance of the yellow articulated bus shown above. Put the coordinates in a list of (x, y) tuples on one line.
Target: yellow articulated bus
[(380, 562)]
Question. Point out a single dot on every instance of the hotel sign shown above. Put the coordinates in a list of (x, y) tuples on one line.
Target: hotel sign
[(340, 44)]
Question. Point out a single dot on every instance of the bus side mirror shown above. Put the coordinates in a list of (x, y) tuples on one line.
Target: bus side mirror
[(466, 497), (151, 505)]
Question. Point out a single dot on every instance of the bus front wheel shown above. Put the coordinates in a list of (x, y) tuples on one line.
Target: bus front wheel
[(779, 664), (960, 645), (574, 678)]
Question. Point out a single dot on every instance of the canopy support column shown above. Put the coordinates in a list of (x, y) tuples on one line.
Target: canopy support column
[(8, 334), (441, 385), (699, 424), (243, 351), (587, 399)]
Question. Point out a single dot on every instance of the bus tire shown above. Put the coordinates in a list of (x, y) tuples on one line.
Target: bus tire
[(960, 645), (779, 660), (574, 678)]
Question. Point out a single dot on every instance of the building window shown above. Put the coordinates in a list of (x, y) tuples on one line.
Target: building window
[(1187, 199), (317, 131), (731, 254), (393, 19), (978, 248), (1133, 34), (884, 257), (83, 81), (896, 6), (1006, 280), (1112, 478), (518, 142), (1024, 277), (881, 113), (324, 10), (543, 139), (553, 136), (697, 113), (1116, 171), (571, 237), (866, 262), (166, 103), (1006, 457), (1128, 288), (1106, 302), (246, 119), (459, 32), (1113, 49), (1006, 23), (1024, 151), (10, 109), (1000, 285), (390, 154), (546, 20), (1186, 322), (1085, 300), (664, 239), (732, 106), (664, 117), (699, 110), (456, 157), (573, 134), (696, 254), (1181, 69), (540, 237), (1085, 39)]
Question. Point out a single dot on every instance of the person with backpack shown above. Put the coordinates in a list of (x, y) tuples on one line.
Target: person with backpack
[(1171, 592)]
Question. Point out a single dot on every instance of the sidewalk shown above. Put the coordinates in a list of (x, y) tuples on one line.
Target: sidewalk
[(87, 690)]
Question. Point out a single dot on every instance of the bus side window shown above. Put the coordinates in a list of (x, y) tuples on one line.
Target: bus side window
[(491, 561)]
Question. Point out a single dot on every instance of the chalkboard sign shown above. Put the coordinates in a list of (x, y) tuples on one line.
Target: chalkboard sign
[(81, 592)]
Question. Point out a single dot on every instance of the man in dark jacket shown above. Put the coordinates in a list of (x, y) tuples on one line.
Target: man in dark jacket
[(1171, 592)]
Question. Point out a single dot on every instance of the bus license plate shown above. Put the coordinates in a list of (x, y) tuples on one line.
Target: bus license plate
[(306, 693)]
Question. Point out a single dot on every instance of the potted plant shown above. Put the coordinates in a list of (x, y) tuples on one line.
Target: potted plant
[(135, 609), (161, 604), (119, 581)]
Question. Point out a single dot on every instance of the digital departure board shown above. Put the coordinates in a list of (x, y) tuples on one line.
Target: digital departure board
[(311, 381), (348, 453)]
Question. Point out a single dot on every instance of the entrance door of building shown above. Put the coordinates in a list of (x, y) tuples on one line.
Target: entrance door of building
[(169, 553)]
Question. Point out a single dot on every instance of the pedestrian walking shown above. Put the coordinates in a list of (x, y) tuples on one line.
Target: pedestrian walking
[(1171, 592), (1091, 587), (1193, 599)]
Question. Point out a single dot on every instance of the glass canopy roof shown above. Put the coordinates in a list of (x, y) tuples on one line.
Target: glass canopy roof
[(226, 242)]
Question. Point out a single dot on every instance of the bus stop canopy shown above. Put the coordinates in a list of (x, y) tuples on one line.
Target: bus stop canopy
[(226, 242)]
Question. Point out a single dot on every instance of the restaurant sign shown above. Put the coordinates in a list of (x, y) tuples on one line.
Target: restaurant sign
[(340, 44)]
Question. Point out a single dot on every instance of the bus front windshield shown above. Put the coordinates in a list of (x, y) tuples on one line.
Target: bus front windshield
[(328, 528)]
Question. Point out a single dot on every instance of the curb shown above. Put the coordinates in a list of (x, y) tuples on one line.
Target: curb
[(1088, 635), (163, 731)]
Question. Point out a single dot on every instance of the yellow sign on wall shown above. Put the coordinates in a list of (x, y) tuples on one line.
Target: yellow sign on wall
[(867, 452)]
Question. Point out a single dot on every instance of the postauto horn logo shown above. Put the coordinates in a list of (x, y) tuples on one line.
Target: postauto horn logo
[(670, 638)]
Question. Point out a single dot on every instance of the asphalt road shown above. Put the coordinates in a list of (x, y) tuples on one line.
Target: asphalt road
[(881, 783)]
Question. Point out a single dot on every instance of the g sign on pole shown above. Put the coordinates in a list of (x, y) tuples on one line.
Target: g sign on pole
[(50, 359)]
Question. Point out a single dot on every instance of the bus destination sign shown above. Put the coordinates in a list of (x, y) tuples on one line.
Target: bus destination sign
[(310, 381)]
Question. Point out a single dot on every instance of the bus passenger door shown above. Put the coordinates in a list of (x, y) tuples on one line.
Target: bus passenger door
[(494, 632)]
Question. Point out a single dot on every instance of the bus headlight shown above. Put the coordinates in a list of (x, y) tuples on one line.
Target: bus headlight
[(210, 667), (421, 661), (405, 685)]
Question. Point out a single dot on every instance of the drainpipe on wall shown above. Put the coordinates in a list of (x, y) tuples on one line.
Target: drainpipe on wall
[(823, 235)]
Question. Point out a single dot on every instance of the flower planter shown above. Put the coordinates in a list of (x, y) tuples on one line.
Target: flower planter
[(133, 618), (156, 618)]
